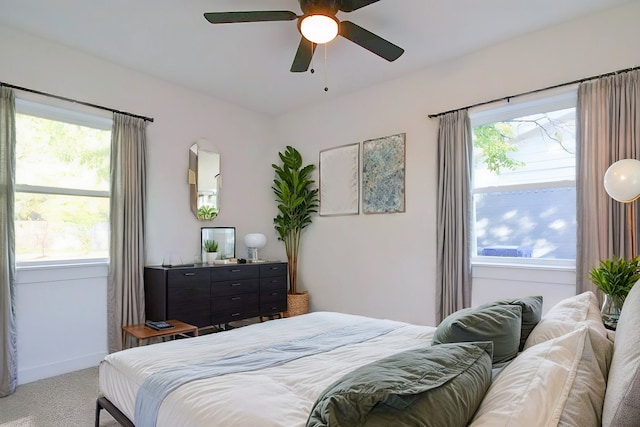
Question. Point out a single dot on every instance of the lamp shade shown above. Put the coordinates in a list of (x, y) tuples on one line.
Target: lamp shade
[(319, 29), (255, 240), (622, 180)]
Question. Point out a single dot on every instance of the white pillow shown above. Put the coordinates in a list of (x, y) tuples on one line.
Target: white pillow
[(560, 381), (566, 316)]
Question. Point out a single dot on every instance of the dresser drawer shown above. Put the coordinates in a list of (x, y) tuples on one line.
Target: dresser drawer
[(234, 301), (269, 283), (188, 275), (188, 302), (187, 292), (273, 308), (196, 315), (273, 295), (226, 316), (277, 269), (235, 287), (234, 272)]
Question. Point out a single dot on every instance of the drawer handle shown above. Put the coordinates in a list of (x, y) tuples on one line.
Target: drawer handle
[(274, 281), (189, 274), (236, 270), (235, 298), (274, 268), (236, 284), (273, 294), (235, 314)]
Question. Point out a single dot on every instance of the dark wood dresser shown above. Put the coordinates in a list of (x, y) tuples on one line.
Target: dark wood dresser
[(215, 294)]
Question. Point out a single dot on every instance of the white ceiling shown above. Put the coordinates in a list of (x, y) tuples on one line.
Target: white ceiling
[(248, 64)]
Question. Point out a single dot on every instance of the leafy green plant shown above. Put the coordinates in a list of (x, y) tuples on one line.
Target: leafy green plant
[(616, 276), (494, 140), (210, 246), (297, 200), (207, 212)]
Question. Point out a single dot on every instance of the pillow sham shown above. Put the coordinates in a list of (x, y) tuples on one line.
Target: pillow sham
[(566, 316), (531, 313), (558, 382), (415, 387), (499, 324), (622, 402)]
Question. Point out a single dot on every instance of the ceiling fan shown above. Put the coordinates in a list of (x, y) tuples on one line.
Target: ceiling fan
[(317, 12)]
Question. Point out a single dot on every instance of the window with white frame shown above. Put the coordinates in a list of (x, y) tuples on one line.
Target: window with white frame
[(524, 186), (62, 184)]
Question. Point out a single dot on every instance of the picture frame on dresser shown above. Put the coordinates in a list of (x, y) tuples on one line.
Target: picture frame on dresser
[(226, 238)]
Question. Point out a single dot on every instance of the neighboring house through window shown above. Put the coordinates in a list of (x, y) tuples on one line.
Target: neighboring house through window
[(62, 184), (524, 182)]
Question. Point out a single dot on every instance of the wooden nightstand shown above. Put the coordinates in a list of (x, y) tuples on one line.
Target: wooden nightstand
[(142, 332)]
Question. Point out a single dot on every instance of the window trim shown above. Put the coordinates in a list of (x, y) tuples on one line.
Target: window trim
[(567, 98), (37, 189), (514, 262), (67, 114), (527, 186)]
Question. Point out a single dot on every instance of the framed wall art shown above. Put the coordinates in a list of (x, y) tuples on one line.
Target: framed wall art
[(224, 236), (340, 180), (383, 174)]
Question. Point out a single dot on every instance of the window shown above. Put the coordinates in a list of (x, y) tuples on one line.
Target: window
[(62, 184), (524, 181)]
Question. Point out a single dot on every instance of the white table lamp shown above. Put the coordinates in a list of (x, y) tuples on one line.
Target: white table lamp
[(254, 241)]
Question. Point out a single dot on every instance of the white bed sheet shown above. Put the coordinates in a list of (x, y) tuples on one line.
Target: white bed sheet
[(277, 396)]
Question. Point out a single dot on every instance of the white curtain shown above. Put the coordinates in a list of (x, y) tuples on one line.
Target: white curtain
[(128, 188), (453, 280), (8, 351), (608, 130)]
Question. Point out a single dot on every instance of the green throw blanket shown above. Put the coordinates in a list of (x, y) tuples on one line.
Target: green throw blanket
[(431, 386)]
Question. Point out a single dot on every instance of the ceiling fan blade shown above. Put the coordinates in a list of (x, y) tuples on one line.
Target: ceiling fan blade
[(351, 5), (303, 56), (257, 16), (370, 41)]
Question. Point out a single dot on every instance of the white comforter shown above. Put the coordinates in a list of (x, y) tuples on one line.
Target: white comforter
[(277, 396)]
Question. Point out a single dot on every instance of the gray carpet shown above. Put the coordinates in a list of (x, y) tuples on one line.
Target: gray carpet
[(67, 400)]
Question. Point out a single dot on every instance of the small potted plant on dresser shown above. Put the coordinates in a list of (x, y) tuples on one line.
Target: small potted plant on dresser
[(615, 277), (297, 200), (211, 248)]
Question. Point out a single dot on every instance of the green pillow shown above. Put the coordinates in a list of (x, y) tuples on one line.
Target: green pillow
[(531, 313), (431, 386), (500, 324)]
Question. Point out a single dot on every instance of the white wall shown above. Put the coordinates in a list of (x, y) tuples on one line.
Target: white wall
[(72, 307), (61, 317), (384, 265), (492, 283), (379, 265)]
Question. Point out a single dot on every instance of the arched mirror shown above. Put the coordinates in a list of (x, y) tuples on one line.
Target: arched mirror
[(204, 182)]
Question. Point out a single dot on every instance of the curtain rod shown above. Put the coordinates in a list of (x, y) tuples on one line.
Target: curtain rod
[(75, 101), (507, 98)]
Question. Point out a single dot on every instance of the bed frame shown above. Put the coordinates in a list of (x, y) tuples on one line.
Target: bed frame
[(104, 403)]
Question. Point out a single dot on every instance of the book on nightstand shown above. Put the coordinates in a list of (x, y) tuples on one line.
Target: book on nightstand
[(158, 326)]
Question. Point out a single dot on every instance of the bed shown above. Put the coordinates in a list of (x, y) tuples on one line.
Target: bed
[(498, 364)]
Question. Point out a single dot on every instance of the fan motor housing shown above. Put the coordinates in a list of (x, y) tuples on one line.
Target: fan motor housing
[(319, 7)]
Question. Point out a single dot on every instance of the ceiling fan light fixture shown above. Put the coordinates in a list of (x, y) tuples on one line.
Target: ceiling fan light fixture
[(319, 29)]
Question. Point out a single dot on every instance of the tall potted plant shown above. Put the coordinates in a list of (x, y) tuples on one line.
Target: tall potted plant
[(297, 200)]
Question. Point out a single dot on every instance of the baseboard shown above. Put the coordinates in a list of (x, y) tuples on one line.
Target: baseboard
[(45, 371)]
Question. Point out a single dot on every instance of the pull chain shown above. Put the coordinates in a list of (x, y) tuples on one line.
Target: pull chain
[(326, 72), (312, 70)]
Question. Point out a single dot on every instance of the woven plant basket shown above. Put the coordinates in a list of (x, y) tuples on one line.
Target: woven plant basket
[(297, 304)]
